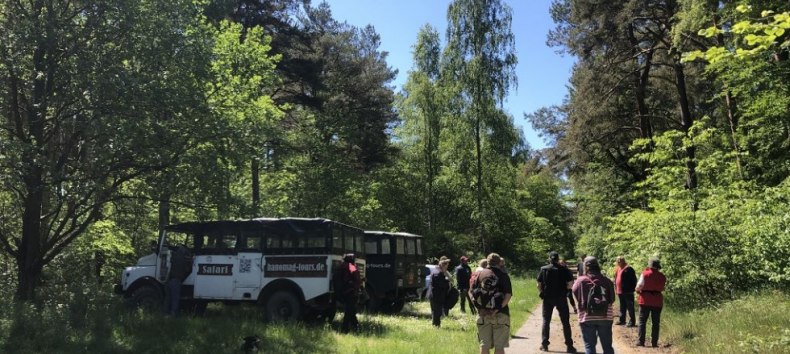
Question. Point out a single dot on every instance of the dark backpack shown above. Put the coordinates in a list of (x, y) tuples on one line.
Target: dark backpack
[(486, 293), (597, 301)]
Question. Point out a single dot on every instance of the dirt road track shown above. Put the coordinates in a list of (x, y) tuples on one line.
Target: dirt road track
[(527, 338)]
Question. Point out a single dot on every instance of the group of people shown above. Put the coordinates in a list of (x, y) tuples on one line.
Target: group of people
[(488, 291), (594, 294)]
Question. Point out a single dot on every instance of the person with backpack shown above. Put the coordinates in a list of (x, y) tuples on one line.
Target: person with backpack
[(649, 287), (463, 275), (438, 291), (554, 281), (491, 293), (347, 285), (594, 294), (624, 286)]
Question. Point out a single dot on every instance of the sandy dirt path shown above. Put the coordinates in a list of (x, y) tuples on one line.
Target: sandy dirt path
[(527, 338)]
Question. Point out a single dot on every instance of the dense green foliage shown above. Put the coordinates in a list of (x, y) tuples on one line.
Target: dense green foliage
[(676, 158)]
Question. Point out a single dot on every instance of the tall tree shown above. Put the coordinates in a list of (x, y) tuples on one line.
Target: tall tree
[(422, 109), (480, 56), (86, 108)]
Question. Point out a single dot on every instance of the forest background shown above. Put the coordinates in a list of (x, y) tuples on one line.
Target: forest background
[(120, 117)]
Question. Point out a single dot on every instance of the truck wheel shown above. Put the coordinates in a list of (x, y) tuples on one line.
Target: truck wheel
[(282, 306), (194, 307), (373, 305), (394, 306), (147, 297)]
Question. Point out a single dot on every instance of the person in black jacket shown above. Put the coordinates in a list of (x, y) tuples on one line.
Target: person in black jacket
[(440, 287), (180, 268), (554, 282), (624, 286), (462, 276)]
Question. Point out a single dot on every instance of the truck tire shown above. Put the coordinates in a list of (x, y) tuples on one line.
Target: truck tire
[(147, 298), (282, 306), (194, 307), (373, 305), (393, 306)]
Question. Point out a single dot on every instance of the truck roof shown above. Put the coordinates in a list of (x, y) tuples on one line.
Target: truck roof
[(283, 225), (386, 233)]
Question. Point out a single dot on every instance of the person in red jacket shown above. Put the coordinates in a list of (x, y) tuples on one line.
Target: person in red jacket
[(347, 285), (649, 287)]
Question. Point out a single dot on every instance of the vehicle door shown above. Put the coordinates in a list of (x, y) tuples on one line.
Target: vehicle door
[(217, 267), (250, 268)]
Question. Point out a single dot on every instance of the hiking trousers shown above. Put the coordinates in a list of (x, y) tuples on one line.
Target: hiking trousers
[(626, 307), (593, 330), (561, 303), (655, 314), (437, 311), (350, 322)]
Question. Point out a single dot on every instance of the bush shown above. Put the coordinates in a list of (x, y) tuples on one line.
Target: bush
[(736, 241)]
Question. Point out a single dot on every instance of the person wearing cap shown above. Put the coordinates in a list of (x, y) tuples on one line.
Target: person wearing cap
[(624, 285), (462, 276), (554, 281), (649, 287), (594, 327), (347, 284)]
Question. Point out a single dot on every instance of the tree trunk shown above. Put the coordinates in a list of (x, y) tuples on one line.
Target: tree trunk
[(255, 168), (29, 260), (686, 121), (729, 101), (733, 120), (164, 211), (478, 148), (641, 80), (429, 162)]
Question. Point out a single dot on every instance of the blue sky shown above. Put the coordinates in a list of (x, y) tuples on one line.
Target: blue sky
[(542, 73)]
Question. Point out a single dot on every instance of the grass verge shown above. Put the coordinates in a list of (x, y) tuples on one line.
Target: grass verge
[(758, 323)]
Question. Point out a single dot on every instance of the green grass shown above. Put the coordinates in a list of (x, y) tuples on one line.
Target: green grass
[(97, 323), (753, 324), (101, 325), (411, 331)]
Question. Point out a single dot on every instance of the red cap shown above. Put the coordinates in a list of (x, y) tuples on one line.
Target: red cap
[(464, 259)]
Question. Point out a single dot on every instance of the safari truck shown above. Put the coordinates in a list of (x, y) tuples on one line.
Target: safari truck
[(282, 265), (394, 262)]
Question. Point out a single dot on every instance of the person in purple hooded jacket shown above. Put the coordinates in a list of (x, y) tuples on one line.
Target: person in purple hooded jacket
[(595, 326)]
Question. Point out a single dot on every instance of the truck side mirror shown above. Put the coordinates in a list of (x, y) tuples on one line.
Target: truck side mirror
[(154, 247)]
